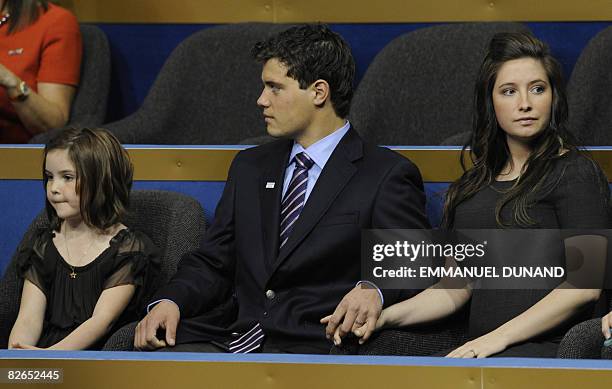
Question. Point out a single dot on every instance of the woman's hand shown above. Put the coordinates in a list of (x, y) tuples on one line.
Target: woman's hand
[(481, 347), (7, 78), (358, 329)]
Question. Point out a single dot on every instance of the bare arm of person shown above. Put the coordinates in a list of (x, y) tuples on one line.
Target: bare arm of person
[(556, 307), (551, 311), (40, 111), (29, 323), (438, 301), (109, 307)]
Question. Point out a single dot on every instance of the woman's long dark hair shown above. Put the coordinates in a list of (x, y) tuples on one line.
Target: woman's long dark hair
[(488, 149), (23, 12)]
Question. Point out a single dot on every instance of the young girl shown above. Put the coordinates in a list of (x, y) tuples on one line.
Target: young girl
[(527, 173), (82, 272)]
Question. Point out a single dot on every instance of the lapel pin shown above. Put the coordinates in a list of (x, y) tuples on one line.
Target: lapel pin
[(16, 52), (269, 185)]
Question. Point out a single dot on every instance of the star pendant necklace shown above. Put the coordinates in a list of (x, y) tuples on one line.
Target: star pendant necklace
[(73, 273)]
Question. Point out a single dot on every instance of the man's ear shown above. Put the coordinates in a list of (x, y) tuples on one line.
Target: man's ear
[(321, 92)]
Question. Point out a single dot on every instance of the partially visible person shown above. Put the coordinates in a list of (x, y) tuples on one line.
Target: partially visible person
[(40, 62), (82, 272), (527, 173)]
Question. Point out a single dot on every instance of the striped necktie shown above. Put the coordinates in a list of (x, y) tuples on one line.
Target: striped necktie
[(248, 342), (295, 197)]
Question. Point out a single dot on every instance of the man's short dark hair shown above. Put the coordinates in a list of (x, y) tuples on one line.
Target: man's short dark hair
[(312, 52)]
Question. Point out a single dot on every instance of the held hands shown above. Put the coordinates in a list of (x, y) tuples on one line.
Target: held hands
[(358, 313), (481, 347), (164, 315)]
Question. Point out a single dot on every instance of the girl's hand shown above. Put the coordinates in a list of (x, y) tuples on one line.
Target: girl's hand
[(482, 347), (20, 346)]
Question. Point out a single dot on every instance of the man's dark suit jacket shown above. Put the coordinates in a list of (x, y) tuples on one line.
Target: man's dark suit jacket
[(239, 276)]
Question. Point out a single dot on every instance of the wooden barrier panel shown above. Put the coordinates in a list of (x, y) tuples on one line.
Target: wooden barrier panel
[(270, 371), (201, 163), (337, 11)]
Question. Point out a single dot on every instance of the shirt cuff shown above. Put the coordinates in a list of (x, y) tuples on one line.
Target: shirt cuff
[(159, 301), (382, 299)]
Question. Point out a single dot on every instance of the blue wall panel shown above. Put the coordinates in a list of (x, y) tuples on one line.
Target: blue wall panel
[(567, 40), (21, 201)]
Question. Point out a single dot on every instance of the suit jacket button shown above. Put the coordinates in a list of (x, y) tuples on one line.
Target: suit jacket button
[(270, 294)]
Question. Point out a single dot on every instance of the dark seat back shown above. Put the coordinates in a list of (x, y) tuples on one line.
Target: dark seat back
[(206, 92), (91, 99), (589, 96), (419, 89)]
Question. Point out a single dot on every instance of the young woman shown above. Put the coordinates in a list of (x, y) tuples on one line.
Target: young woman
[(527, 173), (81, 273)]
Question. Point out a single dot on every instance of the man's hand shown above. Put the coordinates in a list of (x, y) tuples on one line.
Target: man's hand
[(357, 312), (164, 315)]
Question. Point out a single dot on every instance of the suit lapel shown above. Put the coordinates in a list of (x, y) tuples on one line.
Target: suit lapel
[(272, 174), (337, 172)]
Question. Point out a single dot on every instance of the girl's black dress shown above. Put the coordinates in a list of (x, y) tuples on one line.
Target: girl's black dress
[(72, 292)]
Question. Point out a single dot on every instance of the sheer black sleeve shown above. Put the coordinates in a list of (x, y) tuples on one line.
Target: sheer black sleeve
[(31, 262)]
